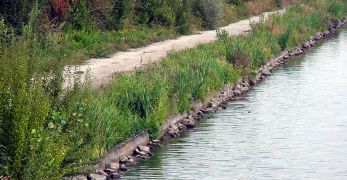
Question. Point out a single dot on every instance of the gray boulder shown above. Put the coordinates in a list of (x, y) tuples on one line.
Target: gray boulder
[(145, 149), (97, 177), (266, 71)]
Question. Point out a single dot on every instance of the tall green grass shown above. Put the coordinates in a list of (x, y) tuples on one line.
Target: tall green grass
[(280, 32)]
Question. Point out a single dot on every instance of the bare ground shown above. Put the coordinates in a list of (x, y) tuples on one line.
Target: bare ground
[(101, 71)]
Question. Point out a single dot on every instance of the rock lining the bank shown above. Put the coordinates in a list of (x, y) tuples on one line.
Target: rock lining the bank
[(139, 147)]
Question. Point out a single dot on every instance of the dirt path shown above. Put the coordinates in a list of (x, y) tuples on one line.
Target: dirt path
[(102, 70)]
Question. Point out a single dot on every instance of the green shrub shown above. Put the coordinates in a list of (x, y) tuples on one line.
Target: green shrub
[(6, 35), (79, 17), (213, 12)]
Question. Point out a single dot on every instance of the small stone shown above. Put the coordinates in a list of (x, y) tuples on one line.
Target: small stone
[(137, 151), (306, 44), (142, 153), (275, 63), (237, 92), (326, 33), (214, 106), (266, 71), (207, 110), (173, 131), (222, 94), (202, 115), (244, 87), (145, 149), (123, 167), (97, 177), (190, 123), (296, 52), (254, 81), (333, 31), (101, 172), (180, 126), (79, 177), (110, 171), (131, 160), (123, 159), (318, 36), (196, 117), (112, 165)]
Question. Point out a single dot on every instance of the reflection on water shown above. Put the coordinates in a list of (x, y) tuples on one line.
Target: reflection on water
[(296, 128)]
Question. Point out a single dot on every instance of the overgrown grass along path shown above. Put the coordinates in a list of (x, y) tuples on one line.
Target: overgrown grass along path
[(102, 70)]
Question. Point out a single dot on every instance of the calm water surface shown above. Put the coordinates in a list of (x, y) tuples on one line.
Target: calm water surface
[(296, 128)]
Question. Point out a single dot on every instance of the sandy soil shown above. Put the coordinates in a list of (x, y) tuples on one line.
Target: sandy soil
[(102, 70)]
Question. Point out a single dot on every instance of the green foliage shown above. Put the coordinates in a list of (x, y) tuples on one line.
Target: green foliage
[(156, 12), (98, 44), (79, 16), (337, 9), (24, 105), (6, 35), (98, 28), (35, 22), (15, 12), (124, 13), (184, 17), (212, 12), (278, 33), (29, 88), (223, 37)]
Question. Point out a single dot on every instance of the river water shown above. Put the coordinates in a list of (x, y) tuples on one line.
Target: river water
[(291, 126)]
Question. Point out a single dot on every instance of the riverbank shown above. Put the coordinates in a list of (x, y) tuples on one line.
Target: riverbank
[(42, 124), (250, 79), (180, 123), (296, 116)]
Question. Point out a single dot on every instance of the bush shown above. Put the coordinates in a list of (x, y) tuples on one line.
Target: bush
[(6, 35), (213, 12), (79, 17)]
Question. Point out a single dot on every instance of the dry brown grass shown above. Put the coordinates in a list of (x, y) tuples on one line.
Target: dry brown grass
[(259, 6)]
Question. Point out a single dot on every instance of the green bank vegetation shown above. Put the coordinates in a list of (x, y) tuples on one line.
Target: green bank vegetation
[(46, 134), (97, 28)]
